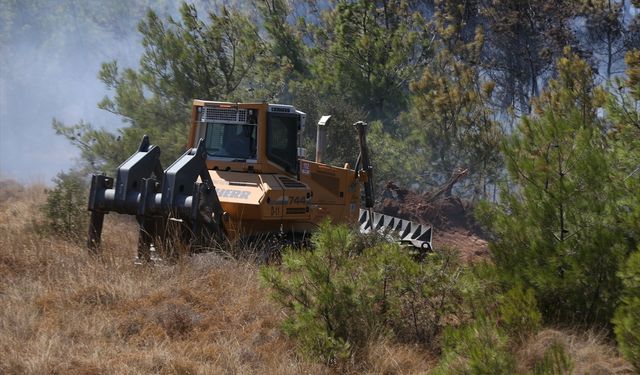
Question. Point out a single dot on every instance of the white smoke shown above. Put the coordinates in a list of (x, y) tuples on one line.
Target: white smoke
[(50, 55)]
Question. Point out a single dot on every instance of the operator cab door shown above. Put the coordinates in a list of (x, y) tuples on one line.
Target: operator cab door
[(282, 140)]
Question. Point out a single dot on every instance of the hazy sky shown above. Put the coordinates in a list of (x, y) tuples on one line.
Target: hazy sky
[(29, 149), (50, 55), (48, 69)]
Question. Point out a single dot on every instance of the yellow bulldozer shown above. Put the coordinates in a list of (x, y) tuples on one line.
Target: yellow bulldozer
[(243, 175)]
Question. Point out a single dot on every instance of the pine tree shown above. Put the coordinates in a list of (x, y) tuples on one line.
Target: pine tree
[(365, 52), (285, 40), (627, 316), (361, 57), (604, 30), (554, 229), (624, 113), (523, 42), (451, 120), (623, 110)]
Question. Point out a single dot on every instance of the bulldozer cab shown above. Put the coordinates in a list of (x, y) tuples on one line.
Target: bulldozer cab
[(248, 137)]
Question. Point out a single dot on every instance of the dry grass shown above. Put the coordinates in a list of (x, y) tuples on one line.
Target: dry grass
[(587, 350), (65, 312)]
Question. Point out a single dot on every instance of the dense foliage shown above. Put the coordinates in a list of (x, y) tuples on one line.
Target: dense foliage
[(554, 231), (627, 317), (625, 115), (348, 290), (351, 290), (444, 79), (568, 220)]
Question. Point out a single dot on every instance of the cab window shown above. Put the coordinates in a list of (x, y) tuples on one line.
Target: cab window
[(282, 132), (237, 141)]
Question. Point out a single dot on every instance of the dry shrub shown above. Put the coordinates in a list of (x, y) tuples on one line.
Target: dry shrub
[(95, 295), (64, 311), (535, 349), (20, 205), (387, 357), (589, 352), (177, 320), (10, 190), (592, 354)]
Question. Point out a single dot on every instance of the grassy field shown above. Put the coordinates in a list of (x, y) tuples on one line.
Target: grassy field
[(65, 312)]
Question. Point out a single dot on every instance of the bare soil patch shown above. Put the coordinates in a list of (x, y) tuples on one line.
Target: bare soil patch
[(451, 218)]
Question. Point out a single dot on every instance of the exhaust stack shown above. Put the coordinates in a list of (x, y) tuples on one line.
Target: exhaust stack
[(321, 138)]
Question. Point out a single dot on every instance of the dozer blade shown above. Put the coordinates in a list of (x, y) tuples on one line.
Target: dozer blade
[(405, 231), (155, 196)]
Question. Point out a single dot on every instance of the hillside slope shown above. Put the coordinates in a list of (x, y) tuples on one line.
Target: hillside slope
[(65, 312)]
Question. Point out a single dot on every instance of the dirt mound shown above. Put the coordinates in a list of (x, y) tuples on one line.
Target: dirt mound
[(451, 218)]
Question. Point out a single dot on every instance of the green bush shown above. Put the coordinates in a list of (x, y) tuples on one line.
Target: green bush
[(340, 295), (484, 346), (555, 361), (519, 313), (480, 348), (487, 343), (66, 206), (627, 316), (326, 314), (432, 294)]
